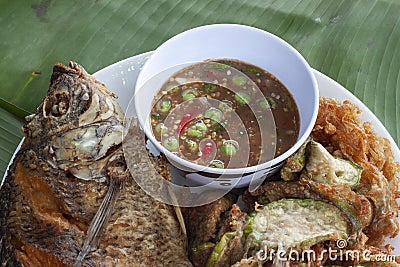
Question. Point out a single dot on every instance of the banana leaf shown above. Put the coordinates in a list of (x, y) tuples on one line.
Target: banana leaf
[(355, 42), (10, 136)]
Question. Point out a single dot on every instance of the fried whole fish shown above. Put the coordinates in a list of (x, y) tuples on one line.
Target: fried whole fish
[(69, 199)]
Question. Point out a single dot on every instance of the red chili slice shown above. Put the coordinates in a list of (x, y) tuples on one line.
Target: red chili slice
[(185, 120), (207, 149)]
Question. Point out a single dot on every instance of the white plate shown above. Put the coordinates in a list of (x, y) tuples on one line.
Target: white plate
[(121, 77)]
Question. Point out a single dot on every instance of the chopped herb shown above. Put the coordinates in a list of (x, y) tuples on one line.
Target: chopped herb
[(242, 98), (253, 70), (210, 88), (217, 66), (156, 116)]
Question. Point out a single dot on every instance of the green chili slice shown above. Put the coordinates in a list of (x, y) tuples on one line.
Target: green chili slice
[(163, 105), (230, 147), (216, 164), (191, 145), (198, 129), (156, 116), (226, 106), (210, 88), (214, 114), (171, 143), (189, 94), (242, 98)]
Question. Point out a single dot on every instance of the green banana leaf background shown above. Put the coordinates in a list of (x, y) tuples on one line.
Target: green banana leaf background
[(355, 42)]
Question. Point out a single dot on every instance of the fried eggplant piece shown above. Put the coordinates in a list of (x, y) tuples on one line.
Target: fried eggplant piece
[(276, 190), (295, 164), (294, 223), (225, 246), (324, 168), (315, 162), (203, 224), (230, 246), (227, 251), (357, 207)]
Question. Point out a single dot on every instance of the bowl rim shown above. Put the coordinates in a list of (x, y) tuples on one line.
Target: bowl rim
[(193, 167)]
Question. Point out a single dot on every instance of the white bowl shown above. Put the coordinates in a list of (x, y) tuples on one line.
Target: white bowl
[(230, 41)]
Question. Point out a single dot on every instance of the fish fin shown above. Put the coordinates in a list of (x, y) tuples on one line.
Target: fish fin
[(178, 213), (178, 210), (99, 220)]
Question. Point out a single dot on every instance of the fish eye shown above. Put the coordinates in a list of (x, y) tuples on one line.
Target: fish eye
[(56, 105)]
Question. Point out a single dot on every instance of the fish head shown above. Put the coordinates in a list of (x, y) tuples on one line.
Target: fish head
[(78, 124), (74, 99)]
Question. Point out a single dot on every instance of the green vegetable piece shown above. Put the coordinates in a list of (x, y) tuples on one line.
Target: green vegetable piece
[(191, 145), (248, 229), (267, 103), (171, 88), (202, 247), (324, 168), (198, 129), (219, 249), (171, 143), (218, 127), (226, 106), (195, 133), (156, 116), (214, 114), (216, 164), (190, 94), (294, 223), (218, 66), (264, 104), (201, 126), (242, 98), (252, 70), (163, 105), (230, 147), (210, 88), (197, 253), (160, 128), (294, 164), (239, 80), (271, 102)]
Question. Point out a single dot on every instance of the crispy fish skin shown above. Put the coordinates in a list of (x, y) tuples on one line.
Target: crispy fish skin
[(203, 221), (51, 194), (33, 226)]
